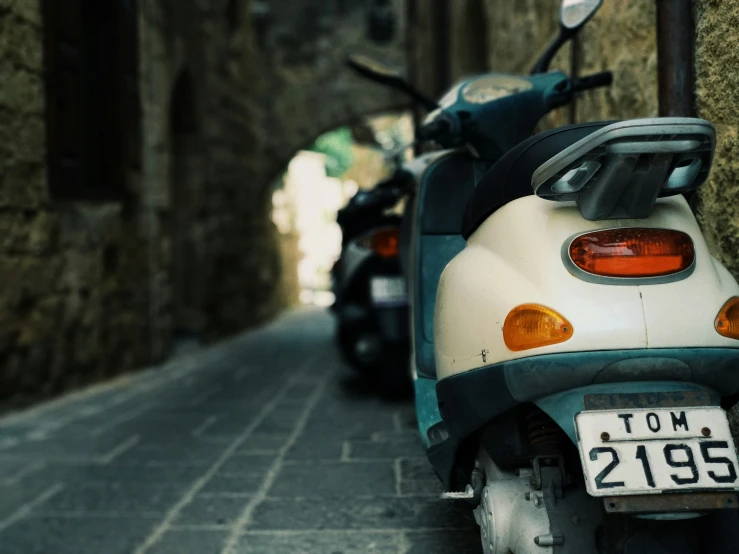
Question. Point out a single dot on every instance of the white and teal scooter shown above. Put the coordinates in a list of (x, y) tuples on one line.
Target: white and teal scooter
[(575, 345)]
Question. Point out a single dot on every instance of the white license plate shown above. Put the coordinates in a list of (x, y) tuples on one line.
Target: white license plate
[(646, 451), (388, 290)]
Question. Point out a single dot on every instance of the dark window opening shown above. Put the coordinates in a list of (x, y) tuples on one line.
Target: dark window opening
[(232, 15), (93, 111)]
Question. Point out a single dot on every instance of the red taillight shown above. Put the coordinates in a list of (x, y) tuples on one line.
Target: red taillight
[(385, 242), (633, 252)]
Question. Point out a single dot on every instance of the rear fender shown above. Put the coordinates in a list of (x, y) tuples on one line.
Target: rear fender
[(427, 407), (562, 407)]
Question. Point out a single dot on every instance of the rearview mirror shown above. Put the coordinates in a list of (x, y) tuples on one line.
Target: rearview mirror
[(387, 75), (573, 14), (374, 69)]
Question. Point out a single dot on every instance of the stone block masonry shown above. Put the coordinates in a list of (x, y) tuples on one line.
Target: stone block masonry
[(228, 91)]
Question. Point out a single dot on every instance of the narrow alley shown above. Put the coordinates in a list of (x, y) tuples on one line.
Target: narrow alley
[(256, 446)]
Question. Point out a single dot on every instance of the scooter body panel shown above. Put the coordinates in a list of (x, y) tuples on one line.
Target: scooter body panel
[(445, 181), (563, 406), (515, 258), (427, 406), (352, 259)]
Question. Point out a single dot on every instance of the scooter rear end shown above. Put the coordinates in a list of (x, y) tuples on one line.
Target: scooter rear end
[(584, 346)]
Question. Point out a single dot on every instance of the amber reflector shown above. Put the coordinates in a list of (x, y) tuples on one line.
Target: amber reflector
[(532, 326), (385, 242), (727, 320), (633, 252)]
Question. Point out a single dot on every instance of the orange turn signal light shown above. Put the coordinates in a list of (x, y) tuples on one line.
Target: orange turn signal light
[(532, 326), (384, 242), (633, 252), (727, 320)]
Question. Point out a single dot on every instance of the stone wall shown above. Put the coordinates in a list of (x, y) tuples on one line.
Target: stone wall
[(60, 305), (717, 99), (229, 90), (266, 79), (621, 38)]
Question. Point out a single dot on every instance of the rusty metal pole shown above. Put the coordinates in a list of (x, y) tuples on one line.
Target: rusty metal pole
[(575, 62), (675, 43)]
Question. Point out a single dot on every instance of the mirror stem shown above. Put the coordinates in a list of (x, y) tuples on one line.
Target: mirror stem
[(542, 64)]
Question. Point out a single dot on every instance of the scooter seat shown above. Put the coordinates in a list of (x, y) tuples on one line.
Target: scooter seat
[(510, 177)]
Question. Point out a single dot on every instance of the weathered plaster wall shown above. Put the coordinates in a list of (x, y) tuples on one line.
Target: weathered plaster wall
[(68, 271), (717, 99), (621, 38)]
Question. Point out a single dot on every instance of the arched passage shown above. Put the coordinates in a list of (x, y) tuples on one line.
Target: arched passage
[(186, 174), (319, 179)]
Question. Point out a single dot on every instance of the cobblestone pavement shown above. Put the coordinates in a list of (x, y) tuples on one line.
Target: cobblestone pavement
[(256, 446)]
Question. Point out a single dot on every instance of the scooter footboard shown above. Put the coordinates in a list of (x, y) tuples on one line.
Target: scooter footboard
[(651, 447)]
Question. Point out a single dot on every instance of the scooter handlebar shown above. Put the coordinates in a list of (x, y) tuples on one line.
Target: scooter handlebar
[(432, 130), (602, 79)]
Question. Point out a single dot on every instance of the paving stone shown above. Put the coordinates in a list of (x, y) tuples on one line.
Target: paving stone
[(115, 499), (417, 477), (263, 443), (178, 454), (345, 420), (233, 426), (319, 543), (247, 484), (421, 487), (308, 448), (337, 479), (190, 542), (395, 435), (419, 468), (282, 421), (349, 428), (43, 535), (128, 474), (444, 542), (389, 449), (299, 391), (367, 514), (74, 431), (247, 464), (212, 510), (168, 421), (79, 447), (17, 495), (406, 417), (10, 468)]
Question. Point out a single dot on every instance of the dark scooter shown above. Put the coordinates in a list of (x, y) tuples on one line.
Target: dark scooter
[(371, 304)]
